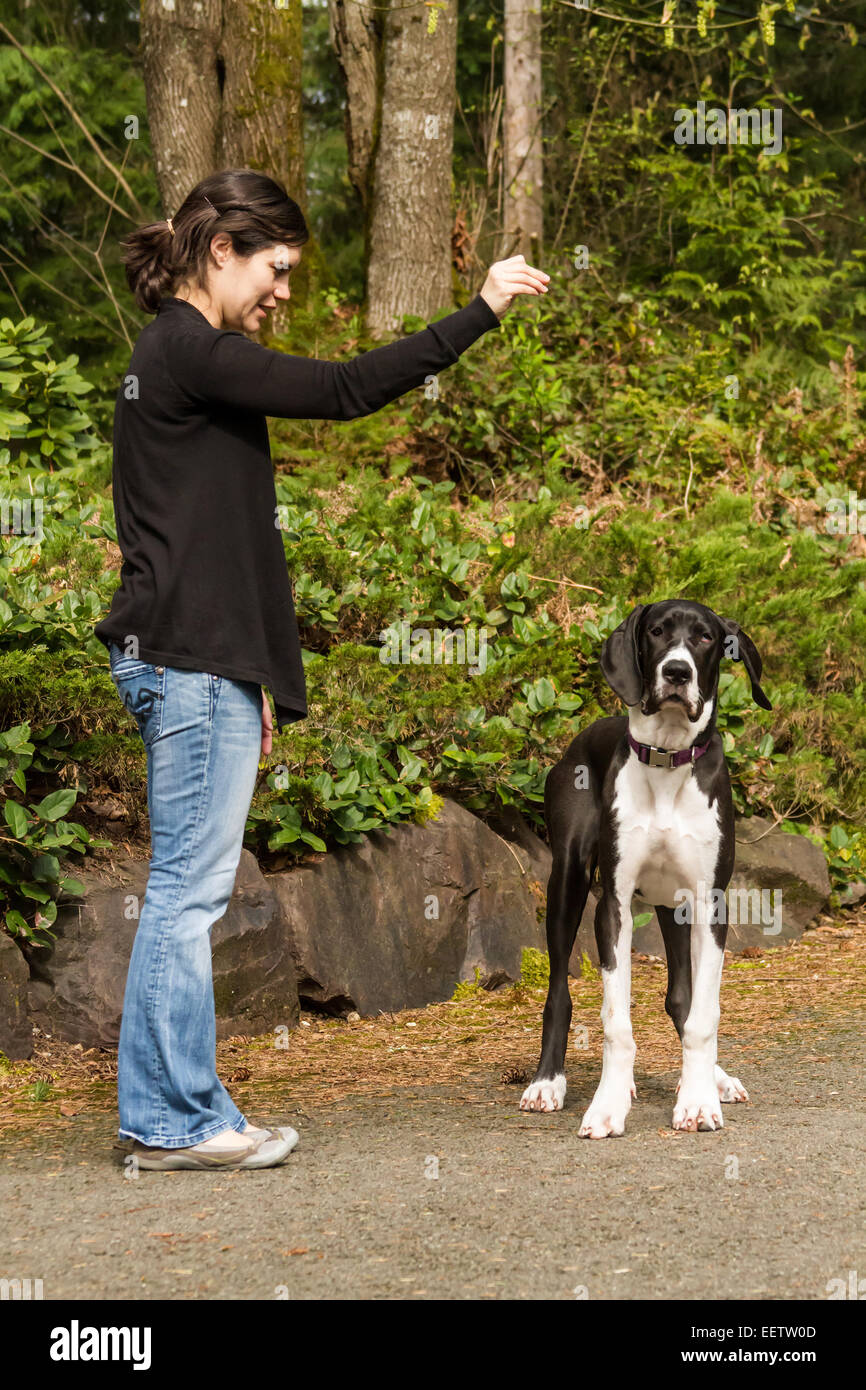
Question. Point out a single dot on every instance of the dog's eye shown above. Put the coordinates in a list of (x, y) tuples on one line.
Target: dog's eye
[(656, 631), (704, 637)]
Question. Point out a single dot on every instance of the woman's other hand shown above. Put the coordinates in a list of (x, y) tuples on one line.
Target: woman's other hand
[(267, 725), (506, 279)]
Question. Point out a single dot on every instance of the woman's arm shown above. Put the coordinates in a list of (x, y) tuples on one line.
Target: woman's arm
[(224, 366)]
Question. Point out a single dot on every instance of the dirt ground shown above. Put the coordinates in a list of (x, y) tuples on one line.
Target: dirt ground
[(417, 1177)]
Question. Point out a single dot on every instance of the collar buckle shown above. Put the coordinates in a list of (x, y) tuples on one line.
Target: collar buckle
[(660, 757)]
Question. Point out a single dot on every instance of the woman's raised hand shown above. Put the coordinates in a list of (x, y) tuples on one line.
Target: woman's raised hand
[(506, 279)]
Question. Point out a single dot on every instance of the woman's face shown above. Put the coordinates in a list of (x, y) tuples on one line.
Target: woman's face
[(242, 291)]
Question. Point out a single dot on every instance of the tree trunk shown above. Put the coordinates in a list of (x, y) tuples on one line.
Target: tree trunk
[(521, 130), (356, 38), (262, 119), (409, 265), (179, 56), (223, 86), (262, 126)]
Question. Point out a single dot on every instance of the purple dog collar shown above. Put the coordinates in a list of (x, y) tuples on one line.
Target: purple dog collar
[(662, 757)]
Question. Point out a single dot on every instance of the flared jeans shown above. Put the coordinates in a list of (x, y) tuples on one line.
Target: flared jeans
[(202, 734)]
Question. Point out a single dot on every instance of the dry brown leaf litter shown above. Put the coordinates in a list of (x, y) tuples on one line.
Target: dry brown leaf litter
[(778, 994)]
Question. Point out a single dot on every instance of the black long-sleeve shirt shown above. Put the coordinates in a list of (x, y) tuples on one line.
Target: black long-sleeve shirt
[(204, 584)]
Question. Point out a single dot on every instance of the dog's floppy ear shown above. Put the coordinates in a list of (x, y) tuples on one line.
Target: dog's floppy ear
[(620, 658), (739, 646)]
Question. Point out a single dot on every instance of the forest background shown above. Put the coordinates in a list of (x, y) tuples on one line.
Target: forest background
[(682, 415)]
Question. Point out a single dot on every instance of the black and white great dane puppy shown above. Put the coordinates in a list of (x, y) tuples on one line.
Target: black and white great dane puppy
[(647, 799)]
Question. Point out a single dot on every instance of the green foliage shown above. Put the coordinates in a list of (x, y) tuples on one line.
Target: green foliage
[(587, 969), (846, 856), (845, 848), (513, 421), (468, 989), (381, 565), (534, 968), (744, 271), (47, 427), (736, 331), (368, 793), (37, 840), (680, 415)]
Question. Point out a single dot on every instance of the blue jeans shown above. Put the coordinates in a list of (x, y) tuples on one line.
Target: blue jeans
[(202, 734)]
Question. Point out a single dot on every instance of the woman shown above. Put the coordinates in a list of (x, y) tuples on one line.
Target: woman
[(203, 619)]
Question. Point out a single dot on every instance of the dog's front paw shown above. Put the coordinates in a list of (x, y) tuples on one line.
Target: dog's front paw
[(730, 1088), (606, 1114), (544, 1095), (698, 1108)]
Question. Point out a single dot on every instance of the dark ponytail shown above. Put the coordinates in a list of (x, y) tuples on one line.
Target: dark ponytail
[(252, 208)]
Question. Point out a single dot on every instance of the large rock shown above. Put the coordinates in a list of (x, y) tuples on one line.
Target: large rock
[(16, 1028), (255, 989), (395, 921), (532, 853), (771, 863), (776, 861), (77, 985)]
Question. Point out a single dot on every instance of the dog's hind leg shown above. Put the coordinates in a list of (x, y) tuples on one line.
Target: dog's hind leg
[(566, 898), (678, 999), (729, 1087)]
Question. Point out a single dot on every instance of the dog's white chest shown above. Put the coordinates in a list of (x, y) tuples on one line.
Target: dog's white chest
[(667, 832)]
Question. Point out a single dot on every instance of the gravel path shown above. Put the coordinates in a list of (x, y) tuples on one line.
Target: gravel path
[(771, 1207)]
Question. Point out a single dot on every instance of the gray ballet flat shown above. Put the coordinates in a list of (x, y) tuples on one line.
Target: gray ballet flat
[(262, 1151)]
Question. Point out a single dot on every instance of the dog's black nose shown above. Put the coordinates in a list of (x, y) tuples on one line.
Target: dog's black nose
[(677, 672)]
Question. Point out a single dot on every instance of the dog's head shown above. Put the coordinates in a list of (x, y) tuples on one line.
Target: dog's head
[(669, 652)]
